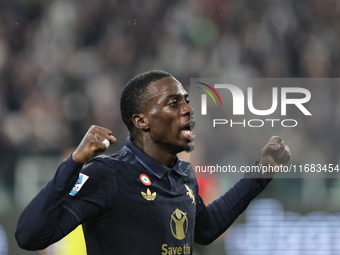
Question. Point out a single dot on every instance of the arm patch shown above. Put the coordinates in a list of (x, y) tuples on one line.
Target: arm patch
[(80, 182)]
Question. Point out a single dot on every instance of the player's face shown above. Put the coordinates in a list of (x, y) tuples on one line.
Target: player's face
[(170, 116)]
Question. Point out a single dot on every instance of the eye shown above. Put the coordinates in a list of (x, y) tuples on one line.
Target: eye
[(187, 100), (173, 103)]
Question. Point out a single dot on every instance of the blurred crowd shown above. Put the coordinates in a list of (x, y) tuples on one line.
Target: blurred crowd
[(64, 63)]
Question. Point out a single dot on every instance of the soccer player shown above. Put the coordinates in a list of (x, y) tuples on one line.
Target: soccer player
[(142, 199)]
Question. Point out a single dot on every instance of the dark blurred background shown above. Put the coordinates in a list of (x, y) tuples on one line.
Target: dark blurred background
[(64, 63)]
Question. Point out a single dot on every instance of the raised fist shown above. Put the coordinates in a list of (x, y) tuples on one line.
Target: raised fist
[(275, 153), (93, 144)]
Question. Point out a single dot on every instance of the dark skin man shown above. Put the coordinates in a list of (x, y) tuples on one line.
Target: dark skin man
[(165, 128), (143, 194)]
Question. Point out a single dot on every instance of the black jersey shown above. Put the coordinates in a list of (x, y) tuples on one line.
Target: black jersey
[(129, 203), (136, 209)]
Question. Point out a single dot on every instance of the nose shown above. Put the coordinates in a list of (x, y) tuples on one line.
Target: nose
[(187, 109)]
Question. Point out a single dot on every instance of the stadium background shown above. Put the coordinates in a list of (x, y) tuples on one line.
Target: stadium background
[(63, 65)]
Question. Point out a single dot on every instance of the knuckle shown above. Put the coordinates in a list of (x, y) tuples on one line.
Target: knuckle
[(91, 131), (275, 138), (278, 138), (91, 135), (94, 128)]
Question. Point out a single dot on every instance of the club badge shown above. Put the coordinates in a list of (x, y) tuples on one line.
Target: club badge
[(191, 194)]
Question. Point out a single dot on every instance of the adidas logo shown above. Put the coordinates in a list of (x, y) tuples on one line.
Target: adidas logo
[(148, 196)]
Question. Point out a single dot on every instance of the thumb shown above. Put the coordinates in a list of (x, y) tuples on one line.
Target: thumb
[(112, 139)]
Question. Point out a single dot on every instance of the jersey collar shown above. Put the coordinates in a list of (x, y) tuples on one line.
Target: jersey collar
[(149, 163)]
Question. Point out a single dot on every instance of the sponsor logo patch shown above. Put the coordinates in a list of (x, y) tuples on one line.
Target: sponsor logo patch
[(80, 182), (179, 224)]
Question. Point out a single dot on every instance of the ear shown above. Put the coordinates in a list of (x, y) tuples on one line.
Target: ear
[(140, 121)]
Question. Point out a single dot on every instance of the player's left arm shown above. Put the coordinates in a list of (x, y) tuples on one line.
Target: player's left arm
[(217, 217)]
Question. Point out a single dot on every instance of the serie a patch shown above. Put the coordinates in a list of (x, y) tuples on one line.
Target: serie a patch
[(80, 182)]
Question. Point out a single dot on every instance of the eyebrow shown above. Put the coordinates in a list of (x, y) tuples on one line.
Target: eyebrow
[(177, 95)]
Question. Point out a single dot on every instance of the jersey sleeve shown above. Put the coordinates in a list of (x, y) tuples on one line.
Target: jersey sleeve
[(51, 214), (217, 217), (95, 191)]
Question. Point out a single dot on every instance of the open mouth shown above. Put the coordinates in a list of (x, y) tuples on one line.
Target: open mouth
[(188, 130)]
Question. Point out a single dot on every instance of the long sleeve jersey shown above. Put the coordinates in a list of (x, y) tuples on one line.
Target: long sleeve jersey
[(129, 203)]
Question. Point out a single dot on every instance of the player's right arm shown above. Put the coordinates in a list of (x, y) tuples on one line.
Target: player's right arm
[(48, 217)]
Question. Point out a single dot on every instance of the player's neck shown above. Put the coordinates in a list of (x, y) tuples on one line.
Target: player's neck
[(155, 151)]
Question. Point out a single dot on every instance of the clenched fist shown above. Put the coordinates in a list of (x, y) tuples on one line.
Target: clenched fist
[(275, 153), (92, 144)]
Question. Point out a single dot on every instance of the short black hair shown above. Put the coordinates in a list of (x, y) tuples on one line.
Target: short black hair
[(133, 96)]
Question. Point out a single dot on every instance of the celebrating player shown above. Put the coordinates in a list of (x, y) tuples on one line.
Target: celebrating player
[(142, 199)]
